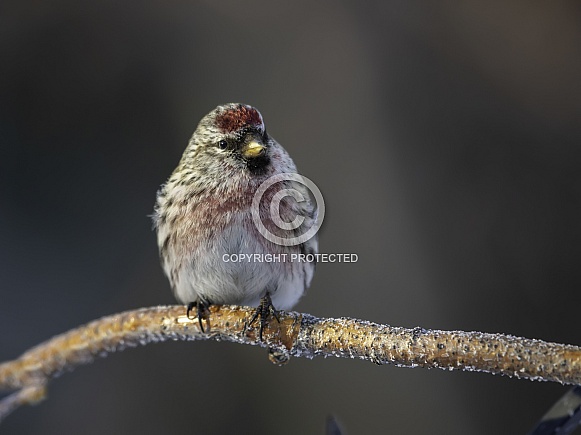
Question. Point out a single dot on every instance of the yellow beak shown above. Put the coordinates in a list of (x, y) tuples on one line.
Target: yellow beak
[(253, 149)]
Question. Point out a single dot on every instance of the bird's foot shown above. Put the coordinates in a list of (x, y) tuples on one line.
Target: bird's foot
[(264, 310), (202, 306)]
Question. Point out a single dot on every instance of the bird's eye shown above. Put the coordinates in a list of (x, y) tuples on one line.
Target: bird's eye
[(223, 144)]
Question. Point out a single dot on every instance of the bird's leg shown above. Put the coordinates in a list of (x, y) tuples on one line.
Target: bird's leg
[(264, 310), (202, 306)]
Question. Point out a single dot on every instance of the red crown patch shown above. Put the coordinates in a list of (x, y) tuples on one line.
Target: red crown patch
[(238, 118)]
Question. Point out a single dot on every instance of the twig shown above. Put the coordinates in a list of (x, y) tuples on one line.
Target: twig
[(563, 417), (296, 334)]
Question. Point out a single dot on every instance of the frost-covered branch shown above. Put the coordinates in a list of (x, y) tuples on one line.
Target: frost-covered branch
[(297, 334)]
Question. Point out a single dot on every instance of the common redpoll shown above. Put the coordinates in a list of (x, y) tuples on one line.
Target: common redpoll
[(212, 249)]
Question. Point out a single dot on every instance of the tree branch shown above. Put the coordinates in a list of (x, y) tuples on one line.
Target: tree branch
[(297, 334)]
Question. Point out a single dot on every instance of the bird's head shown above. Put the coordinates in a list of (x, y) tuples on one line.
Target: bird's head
[(232, 135)]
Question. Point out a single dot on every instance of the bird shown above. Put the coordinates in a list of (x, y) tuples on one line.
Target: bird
[(206, 215)]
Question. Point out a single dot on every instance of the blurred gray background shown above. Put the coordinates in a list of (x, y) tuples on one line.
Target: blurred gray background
[(445, 138)]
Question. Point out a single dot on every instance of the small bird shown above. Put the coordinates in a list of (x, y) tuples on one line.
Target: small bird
[(204, 219)]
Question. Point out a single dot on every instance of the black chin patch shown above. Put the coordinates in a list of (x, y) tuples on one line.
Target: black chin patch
[(258, 164)]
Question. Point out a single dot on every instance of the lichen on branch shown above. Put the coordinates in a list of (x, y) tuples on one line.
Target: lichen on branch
[(296, 334)]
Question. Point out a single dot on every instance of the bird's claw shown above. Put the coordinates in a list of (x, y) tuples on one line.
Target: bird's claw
[(202, 306), (264, 310)]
